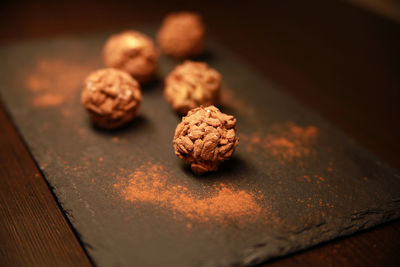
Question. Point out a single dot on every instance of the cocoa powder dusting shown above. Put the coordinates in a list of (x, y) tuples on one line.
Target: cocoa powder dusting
[(53, 80), (285, 141), (229, 99), (149, 184), (47, 100)]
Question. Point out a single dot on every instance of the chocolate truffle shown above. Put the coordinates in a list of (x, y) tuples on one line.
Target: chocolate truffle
[(133, 52), (112, 97), (205, 138), (191, 85), (182, 35)]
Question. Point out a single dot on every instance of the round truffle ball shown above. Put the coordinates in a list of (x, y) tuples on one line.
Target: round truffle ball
[(205, 138), (182, 35), (191, 85), (133, 52), (112, 97)]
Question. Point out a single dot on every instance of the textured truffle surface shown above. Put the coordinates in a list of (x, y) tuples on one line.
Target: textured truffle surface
[(133, 52), (112, 97), (182, 35), (205, 138), (191, 85)]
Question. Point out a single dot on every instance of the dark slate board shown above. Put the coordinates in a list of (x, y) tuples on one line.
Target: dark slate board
[(307, 181)]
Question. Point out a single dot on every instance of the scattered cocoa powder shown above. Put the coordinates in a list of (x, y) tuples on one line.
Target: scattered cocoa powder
[(53, 80), (229, 99), (47, 100), (317, 179), (119, 140), (149, 184), (285, 141)]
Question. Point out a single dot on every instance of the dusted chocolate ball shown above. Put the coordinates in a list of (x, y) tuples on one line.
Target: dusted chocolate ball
[(191, 85), (205, 138), (182, 35), (133, 52), (112, 97)]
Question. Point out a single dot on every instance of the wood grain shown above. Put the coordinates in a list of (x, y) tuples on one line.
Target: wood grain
[(339, 60), (33, 229)]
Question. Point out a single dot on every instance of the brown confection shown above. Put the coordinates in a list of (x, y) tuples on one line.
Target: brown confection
[(205, 138), (112, 97), (133, 52), (182, 35), (191, 85)]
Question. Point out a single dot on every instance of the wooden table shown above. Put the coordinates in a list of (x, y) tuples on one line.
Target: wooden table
[(339, 60)]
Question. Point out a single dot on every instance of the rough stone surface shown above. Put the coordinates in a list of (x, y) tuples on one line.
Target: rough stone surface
[(182, 35), (205, 138), (112, 97), (191, 85), (133, 52)]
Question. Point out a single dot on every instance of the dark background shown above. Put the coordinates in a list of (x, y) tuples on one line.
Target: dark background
[(340, 59)]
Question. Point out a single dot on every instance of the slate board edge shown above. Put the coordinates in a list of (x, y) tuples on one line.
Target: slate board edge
[(263, 252), (64, 211)]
